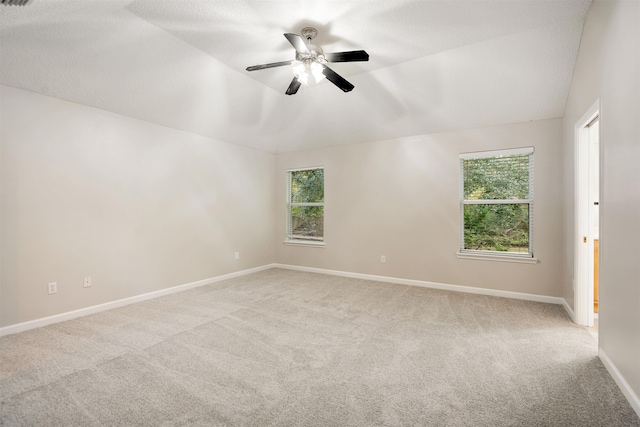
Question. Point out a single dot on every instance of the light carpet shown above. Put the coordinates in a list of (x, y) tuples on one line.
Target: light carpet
[(287, 348)]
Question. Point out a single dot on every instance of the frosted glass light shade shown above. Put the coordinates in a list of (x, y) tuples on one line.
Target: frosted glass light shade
[(307, 71)]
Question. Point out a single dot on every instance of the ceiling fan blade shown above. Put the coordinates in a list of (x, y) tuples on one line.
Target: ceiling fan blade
[(298, 42), (270, 65), (293, 87), (351, 56), (336, 79)]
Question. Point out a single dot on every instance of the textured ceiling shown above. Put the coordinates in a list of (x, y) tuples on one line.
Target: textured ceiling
[(434, 65)]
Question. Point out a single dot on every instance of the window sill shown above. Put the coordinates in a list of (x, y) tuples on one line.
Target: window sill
[(304, 243), (501, 258)]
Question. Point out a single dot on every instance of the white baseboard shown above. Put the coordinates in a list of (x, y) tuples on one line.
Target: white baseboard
[(424, 284), (44, 321), (626, 389), (569, 310), (37, 323)]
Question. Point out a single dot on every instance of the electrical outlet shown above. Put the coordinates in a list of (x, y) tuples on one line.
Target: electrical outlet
[(53, 287), (383, 258), (237, 255), (87, 282)]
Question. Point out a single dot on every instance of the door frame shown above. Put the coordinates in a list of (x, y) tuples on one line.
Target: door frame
[(583, 274)]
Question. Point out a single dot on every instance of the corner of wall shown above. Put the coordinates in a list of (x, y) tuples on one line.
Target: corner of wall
[(627, 390)]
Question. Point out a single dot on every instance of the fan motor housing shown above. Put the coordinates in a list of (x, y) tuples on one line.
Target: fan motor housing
[(315, 53)]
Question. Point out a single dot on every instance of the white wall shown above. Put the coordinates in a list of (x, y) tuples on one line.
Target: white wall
[(400, 198), (136, 206), (608, 68)]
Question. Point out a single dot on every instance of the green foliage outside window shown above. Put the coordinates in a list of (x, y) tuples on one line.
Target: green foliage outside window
[(495, 226), (307, 186)]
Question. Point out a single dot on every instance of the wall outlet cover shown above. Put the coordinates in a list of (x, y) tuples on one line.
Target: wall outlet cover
[(52, 287)]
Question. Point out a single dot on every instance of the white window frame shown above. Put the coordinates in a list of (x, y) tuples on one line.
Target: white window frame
[(294, 239), (498, 255)]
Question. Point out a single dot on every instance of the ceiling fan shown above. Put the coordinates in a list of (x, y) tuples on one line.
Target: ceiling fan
[(310, 67)]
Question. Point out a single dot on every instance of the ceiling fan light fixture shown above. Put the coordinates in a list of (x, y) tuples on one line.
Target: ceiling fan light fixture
[(308, 71), (310, 67)]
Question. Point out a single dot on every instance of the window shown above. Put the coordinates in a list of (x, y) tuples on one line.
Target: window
[(496, 203), (305, 206)]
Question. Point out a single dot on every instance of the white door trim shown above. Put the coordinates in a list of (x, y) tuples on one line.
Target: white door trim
[(583, 290)]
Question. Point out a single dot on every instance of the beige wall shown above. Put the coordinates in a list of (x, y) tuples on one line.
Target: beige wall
[(608, 68), (400, 199), (136, 206)]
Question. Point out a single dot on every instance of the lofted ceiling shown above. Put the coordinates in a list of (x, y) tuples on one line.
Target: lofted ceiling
[(435, 65)]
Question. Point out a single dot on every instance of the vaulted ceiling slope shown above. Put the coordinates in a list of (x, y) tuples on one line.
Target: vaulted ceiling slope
[(434, 65)]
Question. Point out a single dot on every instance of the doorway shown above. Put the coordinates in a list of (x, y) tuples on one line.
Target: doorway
[(587, 217)]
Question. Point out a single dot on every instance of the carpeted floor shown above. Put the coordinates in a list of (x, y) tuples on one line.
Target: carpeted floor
[(287, 348)]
